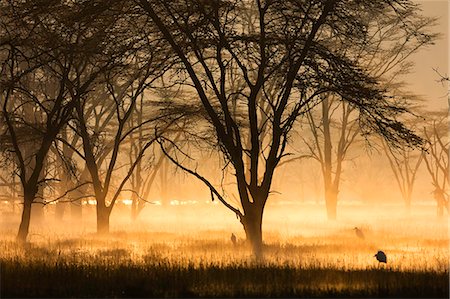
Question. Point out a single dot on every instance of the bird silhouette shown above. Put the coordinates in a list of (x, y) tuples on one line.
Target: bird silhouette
[(233, 239), (359, 233), (381, 257)]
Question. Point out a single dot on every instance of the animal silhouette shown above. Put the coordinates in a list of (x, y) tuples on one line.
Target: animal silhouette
[(233, 239), (359, 233), (381, 257)]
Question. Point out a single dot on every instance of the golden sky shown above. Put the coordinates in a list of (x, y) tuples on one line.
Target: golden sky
[(424, 80)]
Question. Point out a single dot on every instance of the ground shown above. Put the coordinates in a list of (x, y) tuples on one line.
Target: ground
[(182, 251)]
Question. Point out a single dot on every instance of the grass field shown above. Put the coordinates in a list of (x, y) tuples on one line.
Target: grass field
[(311, 259)]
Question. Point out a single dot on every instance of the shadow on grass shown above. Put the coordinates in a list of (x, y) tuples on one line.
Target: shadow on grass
[(160, 279)]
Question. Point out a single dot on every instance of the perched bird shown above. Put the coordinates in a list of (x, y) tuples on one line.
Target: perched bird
[(359, 233), (381, 257), (233, 239)]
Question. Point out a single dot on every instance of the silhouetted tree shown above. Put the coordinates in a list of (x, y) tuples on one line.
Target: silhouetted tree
[(118, 134), (296, 44), (65, 51), (404, 162), (34, 96), (139, 60), (437, 160), (385, 56)]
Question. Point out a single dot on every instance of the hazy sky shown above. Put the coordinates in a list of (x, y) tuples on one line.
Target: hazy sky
[(423, 80)]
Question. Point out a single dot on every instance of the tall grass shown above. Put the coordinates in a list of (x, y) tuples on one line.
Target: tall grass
[(165, 279), (175, 265), (188, 257)]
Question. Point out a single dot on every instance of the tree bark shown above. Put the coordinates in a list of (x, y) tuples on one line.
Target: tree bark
[(25, 221), (38, 208), (103, 214), (252, 223)]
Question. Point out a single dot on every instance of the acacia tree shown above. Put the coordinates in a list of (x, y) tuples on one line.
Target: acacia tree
[(34, 96), (66, 50), (103, 169), (143, 179), (404, 162), (437, 161), (66, 171), (106, 130), (334, 127), (295, 43)]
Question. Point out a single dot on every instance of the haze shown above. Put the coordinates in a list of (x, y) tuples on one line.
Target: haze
[(133, 160)]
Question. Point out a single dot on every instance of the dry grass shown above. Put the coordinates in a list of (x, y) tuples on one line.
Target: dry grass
[(324, 260)]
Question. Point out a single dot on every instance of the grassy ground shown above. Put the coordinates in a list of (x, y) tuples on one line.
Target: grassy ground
[(324, 260), (169, 280), (134, 265)]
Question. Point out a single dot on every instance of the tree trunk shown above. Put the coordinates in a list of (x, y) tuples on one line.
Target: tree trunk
[(441, 202), (440, 209), (252, 223), (76, 209), (38, 208), (59, 210), (408, 205), (25, 222), (103, 214), (137, 206), (331, 203), (134, 207)]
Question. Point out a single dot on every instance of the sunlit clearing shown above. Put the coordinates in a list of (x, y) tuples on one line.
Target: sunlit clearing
[(127, 202)]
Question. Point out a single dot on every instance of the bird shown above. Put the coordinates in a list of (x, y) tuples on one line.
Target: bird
[(359, 233), (381, 257), (233, 239)]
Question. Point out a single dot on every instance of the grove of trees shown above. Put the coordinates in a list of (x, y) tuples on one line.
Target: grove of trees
[(95, 93)]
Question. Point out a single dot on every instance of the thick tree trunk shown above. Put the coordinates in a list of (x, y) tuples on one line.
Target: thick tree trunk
[(331, 203), (408, 205), (103, 214), (252, 223), (25, 221), (37, 208)]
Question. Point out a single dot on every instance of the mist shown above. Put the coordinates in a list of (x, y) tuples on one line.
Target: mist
[(224, 148)]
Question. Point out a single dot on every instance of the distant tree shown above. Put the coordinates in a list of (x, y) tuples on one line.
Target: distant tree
[(54, 61), (139, 182), (142, 180), (404, 162), (437, 160), (8, 184), (293, 43), (323, 128), (385, 56), (65, 172), (106, 130)]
